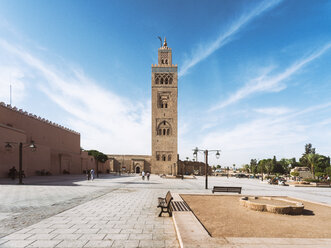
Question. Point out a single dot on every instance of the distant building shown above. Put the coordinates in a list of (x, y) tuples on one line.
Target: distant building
[(304, 172), (192, 168), (129, 163)]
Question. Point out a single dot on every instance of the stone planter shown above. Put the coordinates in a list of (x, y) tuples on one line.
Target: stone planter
[(272, 205)]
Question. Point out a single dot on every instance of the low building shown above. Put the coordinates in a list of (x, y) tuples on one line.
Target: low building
[(129, 163), (304, 172), (191, 168), (57, 147)]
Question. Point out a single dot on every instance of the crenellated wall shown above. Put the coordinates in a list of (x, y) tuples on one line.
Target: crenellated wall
[(58, 147)]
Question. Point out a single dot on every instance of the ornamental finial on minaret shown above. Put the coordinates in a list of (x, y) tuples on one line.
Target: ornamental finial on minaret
[(165, 42)]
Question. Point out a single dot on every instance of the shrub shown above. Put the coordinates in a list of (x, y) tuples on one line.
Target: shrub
[(319, 174), (311, 180), (295, 174), (328, 171)]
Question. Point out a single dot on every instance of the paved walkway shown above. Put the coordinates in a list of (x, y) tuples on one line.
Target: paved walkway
[(124, 216)]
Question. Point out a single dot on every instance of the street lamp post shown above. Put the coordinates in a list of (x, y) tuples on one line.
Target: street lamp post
[(183, 166), (195, 153), (8, 147)]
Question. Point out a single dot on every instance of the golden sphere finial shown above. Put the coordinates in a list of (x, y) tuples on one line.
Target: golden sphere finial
[(165, 42)]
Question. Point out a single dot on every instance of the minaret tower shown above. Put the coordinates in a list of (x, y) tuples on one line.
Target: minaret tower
[(164, 113)]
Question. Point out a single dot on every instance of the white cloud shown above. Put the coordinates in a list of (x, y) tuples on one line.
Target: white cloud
[(267, 83), (273, 111), (225, 37), (283, 136), (106, 121), (14, 77)]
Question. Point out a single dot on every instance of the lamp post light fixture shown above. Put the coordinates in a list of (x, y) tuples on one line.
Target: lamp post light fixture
[(9, 147), (195, 153)]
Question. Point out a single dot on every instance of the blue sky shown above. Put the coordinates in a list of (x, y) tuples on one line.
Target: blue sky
[(254, 76)]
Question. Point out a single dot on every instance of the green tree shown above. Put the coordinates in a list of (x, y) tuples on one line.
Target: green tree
[(308, 150), (261, 167), (253, 166), (99, 157), (294, 163), (322, 163), (328, 171), (268, 166), (277, 167), (285, 163), (312, 160), (246, 168)]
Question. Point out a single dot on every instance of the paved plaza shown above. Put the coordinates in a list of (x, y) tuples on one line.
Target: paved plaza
[(113, 211)]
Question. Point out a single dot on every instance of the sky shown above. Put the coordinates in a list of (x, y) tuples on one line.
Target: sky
[(254, 76)]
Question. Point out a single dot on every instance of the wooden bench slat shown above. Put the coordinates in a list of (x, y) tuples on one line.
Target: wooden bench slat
[(227, 189)]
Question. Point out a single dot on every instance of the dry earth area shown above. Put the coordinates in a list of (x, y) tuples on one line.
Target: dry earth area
[(223, 216)]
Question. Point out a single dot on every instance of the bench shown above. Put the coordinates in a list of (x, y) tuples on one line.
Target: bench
[(227, 189), (164, 204)]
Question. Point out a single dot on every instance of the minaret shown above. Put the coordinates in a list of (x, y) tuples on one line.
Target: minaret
[(164, 113)]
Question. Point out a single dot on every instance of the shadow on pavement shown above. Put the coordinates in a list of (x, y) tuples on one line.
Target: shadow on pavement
[(61, 180), (136, 182)]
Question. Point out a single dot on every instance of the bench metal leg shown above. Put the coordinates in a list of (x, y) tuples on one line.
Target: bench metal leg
[(161, 212), (168, 211)]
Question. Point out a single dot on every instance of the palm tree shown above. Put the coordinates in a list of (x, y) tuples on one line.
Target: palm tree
[(312, 160)]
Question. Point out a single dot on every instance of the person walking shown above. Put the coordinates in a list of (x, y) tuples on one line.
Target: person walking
[(12, 173), (92, 174), (148, 175), (88, 175), (143, 175)]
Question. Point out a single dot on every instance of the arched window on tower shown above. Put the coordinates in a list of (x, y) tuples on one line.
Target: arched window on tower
[(161, 81), (166, 81), (164, 157), (157, 80), (163, 99), (169, 157), (158, 157), (166, 61), (164, 128), (162, 61), (170, 80)]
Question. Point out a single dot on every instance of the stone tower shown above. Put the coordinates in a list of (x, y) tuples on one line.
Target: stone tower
[(164, 113)]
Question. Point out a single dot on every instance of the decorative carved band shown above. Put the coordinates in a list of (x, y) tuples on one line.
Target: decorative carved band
[(164, 69)]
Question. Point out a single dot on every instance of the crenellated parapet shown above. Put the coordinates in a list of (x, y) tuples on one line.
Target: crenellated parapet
[(20, 111)]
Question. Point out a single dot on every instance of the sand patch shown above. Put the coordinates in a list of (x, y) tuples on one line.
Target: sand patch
[(223, 216)]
